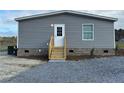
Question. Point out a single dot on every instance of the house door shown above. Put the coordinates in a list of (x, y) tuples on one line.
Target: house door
[(59, 33)]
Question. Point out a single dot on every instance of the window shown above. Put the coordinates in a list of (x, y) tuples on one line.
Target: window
[(59, 31), (87, 32)]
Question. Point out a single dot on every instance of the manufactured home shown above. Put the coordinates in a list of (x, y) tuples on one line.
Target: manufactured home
[(65, 33)]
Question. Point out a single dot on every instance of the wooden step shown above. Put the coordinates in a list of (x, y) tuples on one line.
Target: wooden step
[(57, 58), (58, 50), (53, 56), (57, 53)]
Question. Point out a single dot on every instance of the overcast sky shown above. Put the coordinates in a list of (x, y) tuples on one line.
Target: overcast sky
[(8, 26)]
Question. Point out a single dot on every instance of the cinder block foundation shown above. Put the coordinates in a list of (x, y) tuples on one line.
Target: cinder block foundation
[(89, 51), (27, 52)]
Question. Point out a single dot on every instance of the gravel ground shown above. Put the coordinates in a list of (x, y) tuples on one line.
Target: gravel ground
[(97, 70), (4, 53), (11, 66)]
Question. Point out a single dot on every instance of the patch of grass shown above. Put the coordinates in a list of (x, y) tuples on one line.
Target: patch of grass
[(120, 45), (3, 48)]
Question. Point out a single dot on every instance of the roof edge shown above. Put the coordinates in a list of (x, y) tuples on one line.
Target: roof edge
[(66, 11)]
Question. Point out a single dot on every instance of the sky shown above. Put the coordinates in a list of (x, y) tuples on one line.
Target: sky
[(9, 27)]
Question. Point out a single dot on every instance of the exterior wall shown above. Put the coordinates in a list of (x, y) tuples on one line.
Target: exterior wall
[(35, 33)]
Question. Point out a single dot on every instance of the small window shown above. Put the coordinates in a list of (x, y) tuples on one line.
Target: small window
[(26, 51), (59, 31), (105, 51), (87, 31)]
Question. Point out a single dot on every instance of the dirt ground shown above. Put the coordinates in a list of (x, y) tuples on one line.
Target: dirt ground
[(11, 66)]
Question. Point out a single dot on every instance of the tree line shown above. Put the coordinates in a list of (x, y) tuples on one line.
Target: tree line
[(119, 34), (8, 41)]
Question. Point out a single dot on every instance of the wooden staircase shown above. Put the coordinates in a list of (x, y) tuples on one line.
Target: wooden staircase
[(56, 53)]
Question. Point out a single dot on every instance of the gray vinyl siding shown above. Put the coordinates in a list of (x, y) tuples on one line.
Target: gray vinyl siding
[(35, 33)]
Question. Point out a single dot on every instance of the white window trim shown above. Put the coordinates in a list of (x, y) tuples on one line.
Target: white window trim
[(87, 31), (61, 25)]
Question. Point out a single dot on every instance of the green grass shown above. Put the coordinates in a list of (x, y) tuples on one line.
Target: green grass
[(3, 48), (120, 44)]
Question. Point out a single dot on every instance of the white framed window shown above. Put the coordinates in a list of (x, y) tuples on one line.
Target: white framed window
[(87, 31)]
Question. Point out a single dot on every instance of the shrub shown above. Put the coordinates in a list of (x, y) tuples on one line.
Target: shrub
[(92, 52), (116, 49)]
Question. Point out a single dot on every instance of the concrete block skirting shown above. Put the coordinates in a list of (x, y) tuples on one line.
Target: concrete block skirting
[(89, 51), (70, 52), (32, 52)]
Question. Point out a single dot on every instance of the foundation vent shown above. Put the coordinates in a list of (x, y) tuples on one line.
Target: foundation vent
[(105, 51), (26, 51)]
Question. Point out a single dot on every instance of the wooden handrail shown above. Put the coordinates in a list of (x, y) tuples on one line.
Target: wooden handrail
[(65, 47), (51, 45)]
